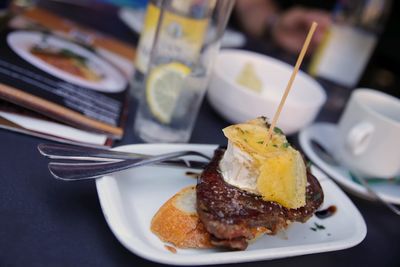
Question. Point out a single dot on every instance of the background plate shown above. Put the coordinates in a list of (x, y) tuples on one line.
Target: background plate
[(21, 43)]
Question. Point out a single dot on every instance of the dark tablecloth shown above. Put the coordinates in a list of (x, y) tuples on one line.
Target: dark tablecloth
[(46, 222)]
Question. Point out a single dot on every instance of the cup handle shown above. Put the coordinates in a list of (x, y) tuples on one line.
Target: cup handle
[(359, 137)]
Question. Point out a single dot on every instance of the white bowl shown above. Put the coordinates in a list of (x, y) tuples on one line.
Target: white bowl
[(238, 104)]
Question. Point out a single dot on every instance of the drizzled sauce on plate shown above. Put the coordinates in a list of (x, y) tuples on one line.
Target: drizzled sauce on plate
[(326, 213)]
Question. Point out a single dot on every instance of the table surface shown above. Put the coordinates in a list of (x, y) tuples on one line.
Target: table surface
[(46, 222)]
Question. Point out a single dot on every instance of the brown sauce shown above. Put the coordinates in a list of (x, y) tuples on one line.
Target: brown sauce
[(326, 213), (194, 175)]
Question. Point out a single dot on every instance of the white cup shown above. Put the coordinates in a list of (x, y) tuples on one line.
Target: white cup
[(369, 134)]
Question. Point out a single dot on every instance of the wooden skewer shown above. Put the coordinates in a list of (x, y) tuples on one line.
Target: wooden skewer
[(291, 80)]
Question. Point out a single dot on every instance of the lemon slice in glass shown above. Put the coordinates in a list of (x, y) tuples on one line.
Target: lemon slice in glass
[(163, 89)]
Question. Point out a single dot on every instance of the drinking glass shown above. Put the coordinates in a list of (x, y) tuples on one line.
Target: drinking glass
[(187, 40)]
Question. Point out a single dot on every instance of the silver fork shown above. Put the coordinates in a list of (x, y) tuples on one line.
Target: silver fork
[(73, 152), (112, 161)]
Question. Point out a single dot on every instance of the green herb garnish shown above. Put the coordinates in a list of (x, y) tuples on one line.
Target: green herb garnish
[(319, 226), (70, 54), (285, 145), (317, 196), (240, 130), (260, 142), (308, 164), (278, 130)]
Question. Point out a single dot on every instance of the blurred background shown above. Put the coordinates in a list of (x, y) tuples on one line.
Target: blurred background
[(272, 27), (256, 18)]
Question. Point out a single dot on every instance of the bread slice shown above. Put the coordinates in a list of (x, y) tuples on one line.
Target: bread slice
[(178, 223)]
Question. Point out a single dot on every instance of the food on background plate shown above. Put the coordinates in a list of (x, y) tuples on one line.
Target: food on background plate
[(68, 61), (249, 188), (249, 78)]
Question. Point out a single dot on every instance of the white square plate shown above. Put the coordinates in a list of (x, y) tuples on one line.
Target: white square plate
[(130, 199)]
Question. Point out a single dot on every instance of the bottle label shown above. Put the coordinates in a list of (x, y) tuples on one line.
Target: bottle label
[(181, 37), (147, 37)]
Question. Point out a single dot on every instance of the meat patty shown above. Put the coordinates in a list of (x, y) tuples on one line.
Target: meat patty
[(230, 213)]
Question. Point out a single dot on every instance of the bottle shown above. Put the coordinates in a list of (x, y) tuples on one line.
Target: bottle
[(347, 46), (184, 15)]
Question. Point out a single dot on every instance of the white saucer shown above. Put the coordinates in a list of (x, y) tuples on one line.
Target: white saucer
[(326, 133)]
